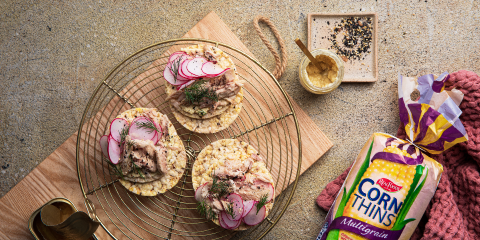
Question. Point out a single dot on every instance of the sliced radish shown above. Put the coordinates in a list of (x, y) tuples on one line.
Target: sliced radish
[(185, 70), (230, 224), (104, 145), (185, 85), (237, 203), (168, 75), (155, 139), (184, 76), (271, 193), (171, 77), (114, 150), (142, 133), (116, 127), (212, 69), (198, 192), (254, 218), (195, 66), (222, 223), (177, 72), (175, 55), (247, 206)]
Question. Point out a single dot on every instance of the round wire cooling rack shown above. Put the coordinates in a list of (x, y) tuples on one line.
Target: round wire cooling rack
[(267, 122)]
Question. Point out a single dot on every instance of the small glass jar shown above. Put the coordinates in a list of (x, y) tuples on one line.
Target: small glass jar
[(305, 81)]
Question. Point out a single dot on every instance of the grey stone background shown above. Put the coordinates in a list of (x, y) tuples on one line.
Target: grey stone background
[(54, 53)]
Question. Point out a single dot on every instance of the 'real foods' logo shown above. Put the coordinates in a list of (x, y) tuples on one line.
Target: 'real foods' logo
[(388, 185)]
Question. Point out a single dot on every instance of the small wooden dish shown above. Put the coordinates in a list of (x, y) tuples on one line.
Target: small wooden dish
[(321, 25)]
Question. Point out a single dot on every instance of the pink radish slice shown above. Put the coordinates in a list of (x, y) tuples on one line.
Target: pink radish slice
[(104, 145), (254, 218), (177, 75), (116, 128), (155, 139), (114, 150), (247, 206), (210, 68), (271, 193), (168, 75), (230, 224), (171, 77), (198, 192), (195, 66), (185, 85), (178, 71), (266, 185), (182, 73), (216, 75), (222, 223), (185, 70), (142, 133), (175, 55), (237, 204)]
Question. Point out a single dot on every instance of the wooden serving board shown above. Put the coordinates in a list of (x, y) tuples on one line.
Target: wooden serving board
[(56, 176), (320, 29)]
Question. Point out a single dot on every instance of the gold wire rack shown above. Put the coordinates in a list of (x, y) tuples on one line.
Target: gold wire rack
[(267, 122)]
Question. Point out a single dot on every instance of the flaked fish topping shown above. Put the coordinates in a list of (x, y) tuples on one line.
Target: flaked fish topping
[(143, 154)]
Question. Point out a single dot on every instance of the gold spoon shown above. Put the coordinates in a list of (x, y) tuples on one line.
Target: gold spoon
[(309, 55)]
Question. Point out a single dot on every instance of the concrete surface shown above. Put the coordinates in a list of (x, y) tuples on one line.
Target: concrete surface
[(54, 53)]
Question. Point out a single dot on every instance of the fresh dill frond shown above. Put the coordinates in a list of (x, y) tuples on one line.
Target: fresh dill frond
[(175, 66), (219, 187), (229, 209), (262, 202), (123, 134), (139, 171), (149, 125), (196, 92), (114, 169), (206, 210), (202, 208)]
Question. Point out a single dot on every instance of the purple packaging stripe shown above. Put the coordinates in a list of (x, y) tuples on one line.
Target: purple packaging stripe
[(389, 141), (416, 111), (411, 149), (428, 118), (402, 111), (452, 133), (440, 82), (363, 229), (393, 157)]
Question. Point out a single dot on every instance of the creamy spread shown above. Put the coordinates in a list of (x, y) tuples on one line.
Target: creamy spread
[(326, 75)]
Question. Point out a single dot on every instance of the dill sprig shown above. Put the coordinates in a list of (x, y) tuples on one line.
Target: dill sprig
[(262, 202), (219, 188), (139, 171), (123, 134), (229, 209), (196, 92), (206, 210), (149, 125), (175, 66), (114, 169)]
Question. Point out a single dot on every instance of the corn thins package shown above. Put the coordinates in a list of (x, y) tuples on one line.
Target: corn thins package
[(392, 180)]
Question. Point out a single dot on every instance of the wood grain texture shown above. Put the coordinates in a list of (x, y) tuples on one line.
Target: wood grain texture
[(56, 176), (352, 66)]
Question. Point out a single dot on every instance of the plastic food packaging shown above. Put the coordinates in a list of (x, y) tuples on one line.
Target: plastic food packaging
[(392, 180)]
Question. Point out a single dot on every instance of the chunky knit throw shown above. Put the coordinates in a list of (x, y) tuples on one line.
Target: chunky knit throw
[(454, 211)]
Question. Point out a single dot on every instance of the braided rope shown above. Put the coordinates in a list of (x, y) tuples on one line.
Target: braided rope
[(280, 64)]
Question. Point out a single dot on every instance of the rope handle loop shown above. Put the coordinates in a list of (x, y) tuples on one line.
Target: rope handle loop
[(280, 64)]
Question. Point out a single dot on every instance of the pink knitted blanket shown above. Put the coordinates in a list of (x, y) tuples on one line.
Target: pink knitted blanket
[(454, 211)]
